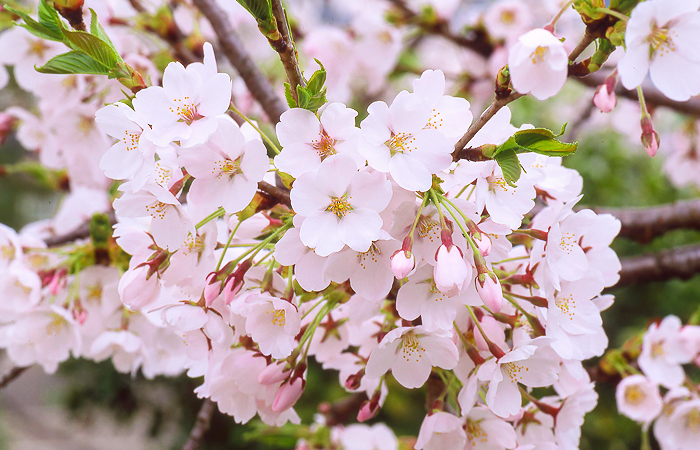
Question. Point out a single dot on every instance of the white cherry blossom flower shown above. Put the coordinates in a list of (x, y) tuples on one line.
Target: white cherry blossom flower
[(638, 398), (538, 64)]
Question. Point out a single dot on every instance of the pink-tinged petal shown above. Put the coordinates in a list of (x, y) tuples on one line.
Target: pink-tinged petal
[(185, 317), (255, 162), (433, 150), (289, 249), (179, 83), (372, 282), (200, 162), (408, 113), (667, 10), (154, 106), (297, 126), (340, 266), (370, 190), (112, 120), (199, 132), (306, 198), (675, 76), (320, 232), (239, 192), (215, 96), (334, 175), (297, 159), (409, 173), (375, 128), (171, 231), (309, 272), (452, 116), (377, 156), (339, 121), (119, 163), (381, 359), (441, 351), (430, 85), (359, 228), (411, 298), (228, 139), (164, 134), (411, 371), (634, 66), (503, 398)]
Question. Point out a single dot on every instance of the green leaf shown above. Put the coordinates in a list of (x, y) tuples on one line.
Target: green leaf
[(288, 96), (95, 47), (317, 80), (261, 10), (36, 28), (49, 18), (510, 165), (73, 63), (303, 96), (537, 140), (97, 30)]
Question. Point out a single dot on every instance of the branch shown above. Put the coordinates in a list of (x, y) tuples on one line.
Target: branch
[(284, 46), (651, 95), (201, 425), (679, 262), (81, 232), (279, 195), (644, 224), (11, 376), (479, 42), (339, 412), (232, 47)]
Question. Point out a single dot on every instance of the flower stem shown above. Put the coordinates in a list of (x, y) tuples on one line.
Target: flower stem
[(252, 124), (215, 215), (228, 243)]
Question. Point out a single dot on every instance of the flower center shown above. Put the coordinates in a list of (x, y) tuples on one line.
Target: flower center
[(324, 145), (657, 349), (566, 305), (7, 252), (228, 167), (410, 345), (568, 241), (513, 370), (434, 121), (278, 317), (692, 420), (400, 143), (372, 254), (498, 183), (475, 432), (508, 16), (339, 206), (131, 140), (37, 47), (660, 41), (56, 325), (538, 55), (94, 292), (427, 227), (634, 395), (186, 110), (157, 210)]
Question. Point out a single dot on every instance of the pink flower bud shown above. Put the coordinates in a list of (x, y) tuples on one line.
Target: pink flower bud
[(402, 264), (6, 124), (451, 271), (489, 288), (605, 99), (212, 289), (288, 394), (368, 410), (650, 138), (136, 288), (80, 315), (484, 244), (274, 373)]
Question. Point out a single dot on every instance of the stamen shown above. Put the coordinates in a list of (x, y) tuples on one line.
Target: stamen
[(324, 145), (340, 206)]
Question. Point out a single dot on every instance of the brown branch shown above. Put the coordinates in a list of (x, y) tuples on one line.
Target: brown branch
[(341, 411), (284, 46), (679, 262), (644, 224), (652, 95), (10, 376), (81, 232), (478, 42), (279, 195), (201, 425), (257, 84)]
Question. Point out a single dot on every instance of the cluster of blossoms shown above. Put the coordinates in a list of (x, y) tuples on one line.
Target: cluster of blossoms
[(665, 348), (367, 248)]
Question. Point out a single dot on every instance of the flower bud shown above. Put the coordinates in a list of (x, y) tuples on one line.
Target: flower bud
[(6, 124), (484, 244), (605, 99), (489, 288), (367, 411), (650, 138), (288, 394), (136, 288), (212, 289), (451, 271), (402, 264), (274, 373)]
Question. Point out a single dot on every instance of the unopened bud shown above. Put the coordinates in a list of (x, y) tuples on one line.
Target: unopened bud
[(288, 394), (212, 289), (6, 124), (650, 138), (483, 244), (489, 288), (274, 373), (355, 380), (605, 99), (367, 411), (402, 264)]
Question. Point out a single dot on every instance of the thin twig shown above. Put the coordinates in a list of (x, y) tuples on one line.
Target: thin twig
[(201, 425), (10, 376), (257, 83), (284, 46)]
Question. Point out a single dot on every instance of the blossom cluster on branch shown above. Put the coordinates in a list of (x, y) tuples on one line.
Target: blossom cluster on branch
[(389, 253)]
